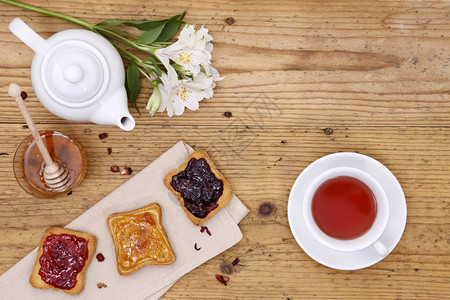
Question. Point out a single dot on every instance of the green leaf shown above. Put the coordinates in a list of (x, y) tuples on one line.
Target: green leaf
[(182, 15), (169, 30), (141, 25), (133, 84), (150, 35), (158, 70), (148, 25)]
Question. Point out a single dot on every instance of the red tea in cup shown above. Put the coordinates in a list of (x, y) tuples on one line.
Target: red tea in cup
[(344, 207)]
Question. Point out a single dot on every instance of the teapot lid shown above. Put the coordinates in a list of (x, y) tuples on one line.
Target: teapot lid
[(74, 73)]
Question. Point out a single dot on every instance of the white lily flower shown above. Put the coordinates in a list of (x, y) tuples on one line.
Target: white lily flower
[(188, 58), (198, 40), (192, 50), (203, 82), (178, 94)]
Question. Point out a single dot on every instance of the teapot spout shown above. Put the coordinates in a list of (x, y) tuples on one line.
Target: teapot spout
[(127, 122), (116, 114)]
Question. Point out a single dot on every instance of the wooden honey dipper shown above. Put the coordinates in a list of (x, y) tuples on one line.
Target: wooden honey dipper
[(55, 175)]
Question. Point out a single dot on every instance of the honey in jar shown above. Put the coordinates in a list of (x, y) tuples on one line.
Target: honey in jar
[(29, 164)]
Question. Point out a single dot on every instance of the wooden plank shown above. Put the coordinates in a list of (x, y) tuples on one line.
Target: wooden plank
[(262, 171), (380, 71)]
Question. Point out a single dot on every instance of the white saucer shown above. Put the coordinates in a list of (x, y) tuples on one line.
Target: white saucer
[(343, 260)]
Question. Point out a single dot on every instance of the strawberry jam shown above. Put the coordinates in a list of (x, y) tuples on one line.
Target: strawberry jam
[(63, 257), (199, 187)]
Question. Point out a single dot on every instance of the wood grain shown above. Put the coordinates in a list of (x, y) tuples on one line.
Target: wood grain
[(376, 72)]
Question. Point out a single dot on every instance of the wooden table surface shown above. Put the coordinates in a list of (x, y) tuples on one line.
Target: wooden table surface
[(375, 72)]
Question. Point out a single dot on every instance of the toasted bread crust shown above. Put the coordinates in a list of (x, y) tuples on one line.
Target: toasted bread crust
[(221, 202), (36, 280), (155, 210)]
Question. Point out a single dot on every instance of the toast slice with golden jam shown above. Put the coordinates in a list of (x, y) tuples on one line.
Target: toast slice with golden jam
[(140, 239)]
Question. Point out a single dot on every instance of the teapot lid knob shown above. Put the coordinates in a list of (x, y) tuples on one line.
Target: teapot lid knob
[(72, 73)]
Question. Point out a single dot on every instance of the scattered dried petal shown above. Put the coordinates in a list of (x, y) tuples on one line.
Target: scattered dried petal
[(236, 261), (228, 114), (109, 150), (197, 248), (3, 153), (103, 135), (100, 257), (126, 171), (69, 193), (24, 95), (222, 279), (203, 228), (328, 131), (115, 169), (230, 21), (101, 285)]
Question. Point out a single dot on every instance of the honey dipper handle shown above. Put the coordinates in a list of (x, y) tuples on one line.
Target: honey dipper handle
[(14, 91)]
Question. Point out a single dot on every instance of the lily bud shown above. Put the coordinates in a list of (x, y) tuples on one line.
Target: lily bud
[(155, 101), (182, 69)]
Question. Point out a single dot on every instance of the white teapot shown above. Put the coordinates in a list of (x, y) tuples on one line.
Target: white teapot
[(78, 75)]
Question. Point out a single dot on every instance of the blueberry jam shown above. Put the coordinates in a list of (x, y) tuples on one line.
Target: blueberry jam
[(199, 187)]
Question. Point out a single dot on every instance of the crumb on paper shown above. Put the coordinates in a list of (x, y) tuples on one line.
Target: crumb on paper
[(203, 229), (101, 285), (100, 257)]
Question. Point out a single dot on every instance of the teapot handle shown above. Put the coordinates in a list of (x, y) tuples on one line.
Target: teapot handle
[(26, 34)]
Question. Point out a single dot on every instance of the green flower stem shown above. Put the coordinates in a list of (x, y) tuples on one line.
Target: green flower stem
[(111, 34), (117, 37), (139, 62), (133, 57), (146, 75), (116, 30), (85, 24), (127, 54)]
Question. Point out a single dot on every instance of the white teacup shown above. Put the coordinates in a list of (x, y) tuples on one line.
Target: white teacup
[(371, 237)]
